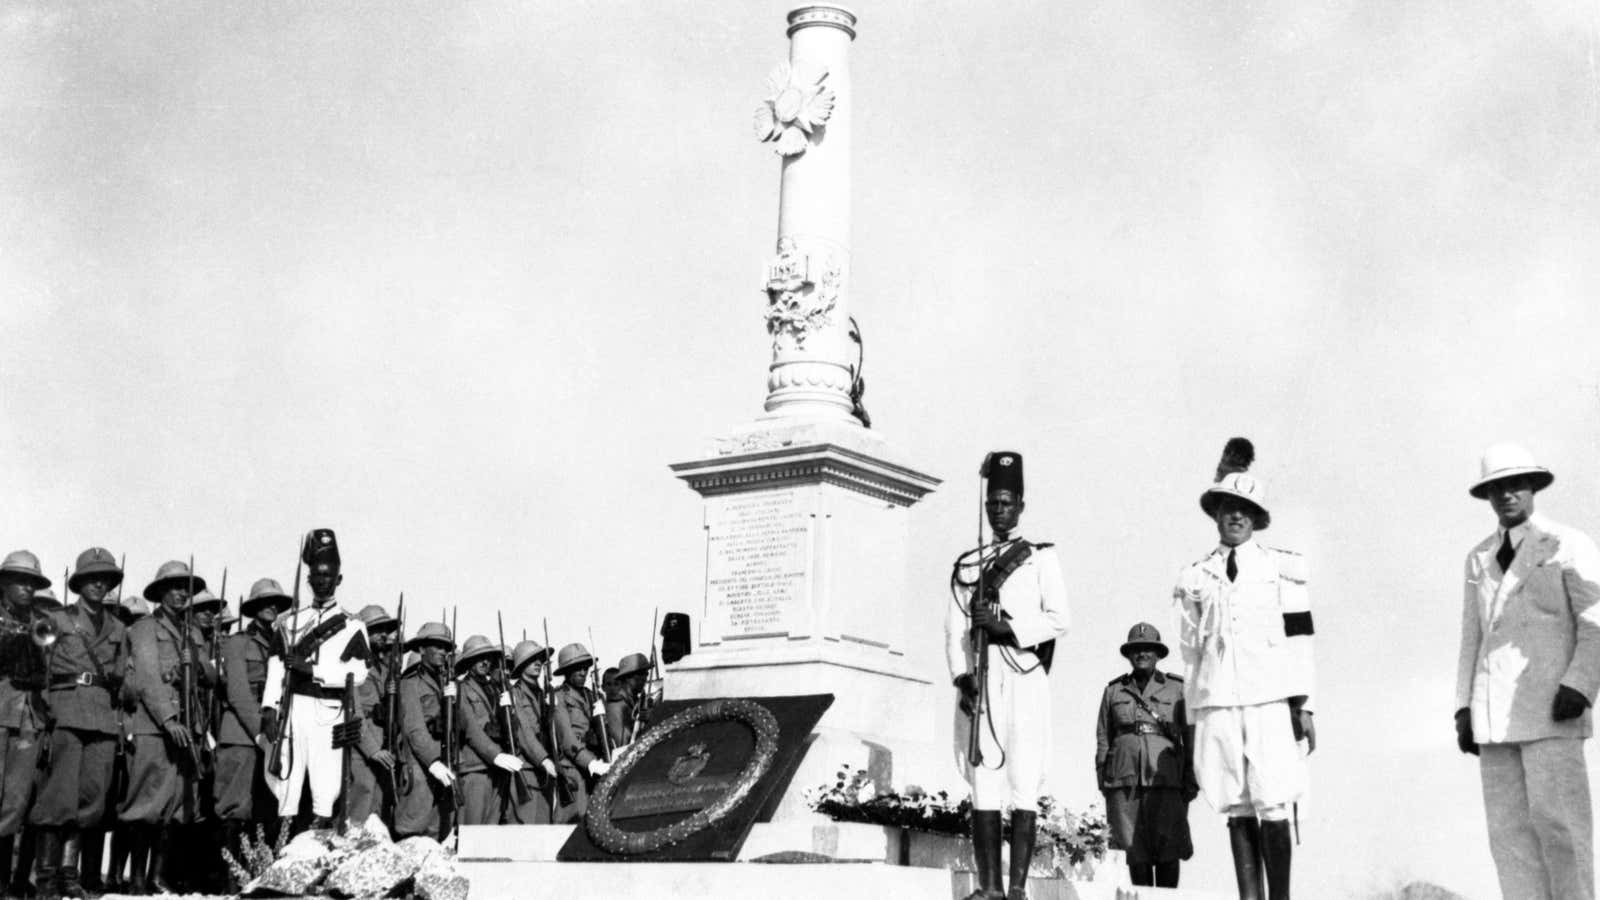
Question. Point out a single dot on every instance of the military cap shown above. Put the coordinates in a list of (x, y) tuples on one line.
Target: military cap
[(25, 564), (320, 547), (1144, 636), (571, 657), (1004, 471), (174, 573), (94, 561), (265, 590), (435, 634), (204, 598), (376, 620), (633, 662), (1232, 480), (526, 652), (477, 647)]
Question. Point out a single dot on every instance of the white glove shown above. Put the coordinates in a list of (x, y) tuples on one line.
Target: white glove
[(599, 708), (599, 767), (549, 766), (441, 773), (450, 690), (505, 698), (508, 762)]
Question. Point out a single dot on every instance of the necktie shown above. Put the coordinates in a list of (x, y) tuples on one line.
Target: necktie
[(1506, 555), (1233, 566)]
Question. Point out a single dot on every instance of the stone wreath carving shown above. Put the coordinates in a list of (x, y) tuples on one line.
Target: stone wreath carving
[(800, 301), (797, 104), (750, 714)]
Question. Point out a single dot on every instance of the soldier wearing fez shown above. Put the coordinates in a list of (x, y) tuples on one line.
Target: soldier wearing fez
[(533, 806), (373, 773), (577, 710), (1245, 641), (1528, 670), (323, 644), (427, 783), (999, 642), (22, 722)]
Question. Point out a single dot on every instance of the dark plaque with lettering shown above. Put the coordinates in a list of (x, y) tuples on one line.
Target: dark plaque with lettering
[(690, 786)]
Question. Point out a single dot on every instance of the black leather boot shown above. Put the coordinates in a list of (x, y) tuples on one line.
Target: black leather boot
[(49, 863), (160, 837), (1244, 836), (1022, 834), (91, 852), (7, 845), (1277, 845), (138, 841), (1139, 875), (986, 854), (231, 829), (20, 886), (119, 859), (1167, 874), (67, 873)]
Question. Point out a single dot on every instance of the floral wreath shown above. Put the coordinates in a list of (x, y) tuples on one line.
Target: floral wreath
[(750, 714)]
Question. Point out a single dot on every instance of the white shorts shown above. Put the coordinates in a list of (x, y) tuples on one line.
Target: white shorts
[(1247, 760)]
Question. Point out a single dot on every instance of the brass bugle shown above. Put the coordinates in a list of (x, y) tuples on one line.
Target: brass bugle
[(41, 630)]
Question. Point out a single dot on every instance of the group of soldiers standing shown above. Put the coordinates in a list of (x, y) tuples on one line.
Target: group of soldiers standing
[(155, 718)]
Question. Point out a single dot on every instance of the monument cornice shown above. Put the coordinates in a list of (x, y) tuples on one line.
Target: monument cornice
[(818, 463)]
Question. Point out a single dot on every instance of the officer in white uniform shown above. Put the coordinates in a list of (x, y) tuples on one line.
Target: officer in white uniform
[(1526, 677), (1245, 640), (1020, 631), (324, 643)]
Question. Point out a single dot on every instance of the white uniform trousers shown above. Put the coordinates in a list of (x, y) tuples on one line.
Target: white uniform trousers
[(310, 752), (1541, 829), (1247, 760), (1015, 738)]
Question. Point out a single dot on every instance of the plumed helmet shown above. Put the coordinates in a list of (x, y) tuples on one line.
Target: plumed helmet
[(1144, 636), (572, 656), (633, 662), (23, 563), (1233, 480), (1509, 461), (435, 634), (477, 647), (526, 652), (263, 592), (174, 573), (94, 561)]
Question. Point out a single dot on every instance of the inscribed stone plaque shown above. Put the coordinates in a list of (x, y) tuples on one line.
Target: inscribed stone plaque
[(758, 556)]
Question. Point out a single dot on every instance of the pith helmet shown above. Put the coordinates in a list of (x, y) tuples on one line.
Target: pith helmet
[(25, 564), (525, 653), (94, 561), (172, 574), (1232, 480), (633, 662), (204, 598), (1509, 461), (571, 657), (132, 607), (264, 591), (477, 647), (376, 619), (1144, 636), (45, 600), (432, 633)]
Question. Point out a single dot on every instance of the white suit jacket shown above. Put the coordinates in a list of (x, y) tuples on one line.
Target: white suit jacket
[(1528, 631)]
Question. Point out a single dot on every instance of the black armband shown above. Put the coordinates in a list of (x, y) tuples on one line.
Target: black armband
[(1296, 624)]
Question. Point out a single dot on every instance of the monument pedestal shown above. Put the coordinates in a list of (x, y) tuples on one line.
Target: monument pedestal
[(805, 592)]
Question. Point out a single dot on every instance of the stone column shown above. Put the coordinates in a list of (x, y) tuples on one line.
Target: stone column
[(807, 116)]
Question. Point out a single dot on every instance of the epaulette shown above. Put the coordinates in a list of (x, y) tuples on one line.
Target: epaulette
[(1172, 677), (1043, 545), (1291, 565), (1115, 681)]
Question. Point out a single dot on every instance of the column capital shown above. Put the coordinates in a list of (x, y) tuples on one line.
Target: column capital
[(830, 15)]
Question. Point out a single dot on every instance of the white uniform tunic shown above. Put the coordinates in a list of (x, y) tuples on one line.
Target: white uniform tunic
[(308, 746), (1246, 649), (1015, 730)]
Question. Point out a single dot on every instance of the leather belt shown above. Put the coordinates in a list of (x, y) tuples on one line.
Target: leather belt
[(312, 689), (1140, 728), (82, 679)]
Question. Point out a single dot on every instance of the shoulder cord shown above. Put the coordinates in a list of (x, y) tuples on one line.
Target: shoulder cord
[(983, 556)]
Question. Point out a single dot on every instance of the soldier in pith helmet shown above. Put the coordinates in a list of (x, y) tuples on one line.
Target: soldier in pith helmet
[(584, 759), (373, 772), (626, 695), (426, 779), (528, 660), (22, 676), (486, 764)]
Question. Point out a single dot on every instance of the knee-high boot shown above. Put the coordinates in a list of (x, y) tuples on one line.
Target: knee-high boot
[(67, 872), (49, 863), (1277, 845), (91, 853), (1139, 875), (160, 838), (1244, 836), (986, 854), (1022, 834), (137, 838), (23, 870), (1167, 874), (7, 845)]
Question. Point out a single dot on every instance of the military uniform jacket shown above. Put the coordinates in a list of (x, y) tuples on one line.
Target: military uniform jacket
[(422, 714), (1247, 641), (619, 718), (1033, 601), (580, 743), (1141, 734), (89, 653), (156, 642), (1526, 632), (482, 733), (529, 706), (372, 701), (244, 664), (342, 652), (22, 674)]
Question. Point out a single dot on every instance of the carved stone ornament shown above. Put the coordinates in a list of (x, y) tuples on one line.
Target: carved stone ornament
[(797, 103), (801, 293)]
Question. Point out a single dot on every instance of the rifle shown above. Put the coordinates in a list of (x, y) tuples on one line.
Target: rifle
[(276, 767), (559, 789), (214, 707), (186, 700), (346, 735), (980, 638), (652, 682), (594, 692), (508, 714), (391, 701), (450, 748)]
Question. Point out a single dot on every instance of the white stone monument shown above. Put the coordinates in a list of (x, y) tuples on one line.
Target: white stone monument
[(805, 510)]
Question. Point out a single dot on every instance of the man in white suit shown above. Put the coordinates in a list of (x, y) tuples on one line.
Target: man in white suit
[(1526, 678)]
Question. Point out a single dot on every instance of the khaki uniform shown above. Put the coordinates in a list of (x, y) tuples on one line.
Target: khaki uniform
[(531, 721), (483, 785), (160, 774), (580, 745), (1144, 767), (370, 783), (86, 669), (22, 675), (240, 790), (619, 717), (425, 806)]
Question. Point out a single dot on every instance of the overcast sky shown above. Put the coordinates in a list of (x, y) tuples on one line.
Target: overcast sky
[(459, 280)]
